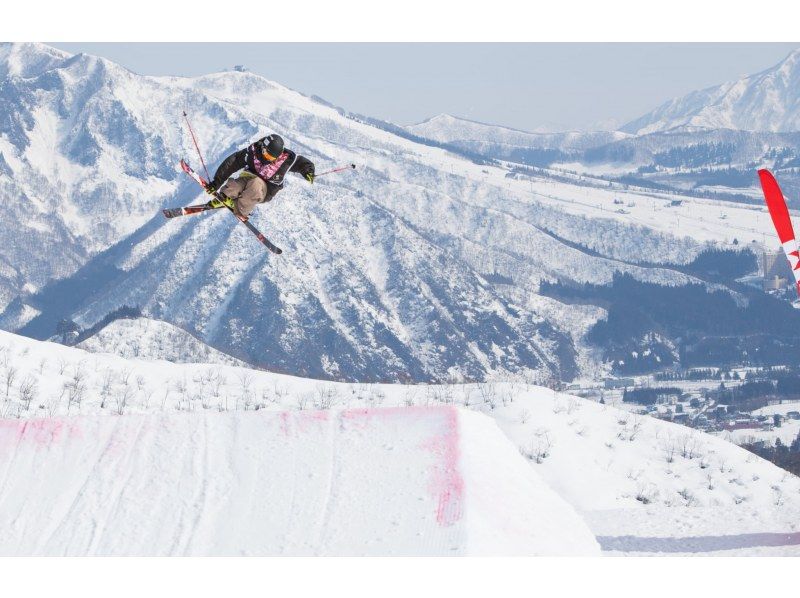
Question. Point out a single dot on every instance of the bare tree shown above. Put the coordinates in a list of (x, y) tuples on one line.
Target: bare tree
[(27, 391), (302, 401), (688, 496), (466, 393), (280, 392), (443, 394), (123, 397), (488, 394), (105, 387), (376, 395), (148, 394), (267, 397), (646, 492), (326, 397), (524, 416), (539, 447), (10, 376), (630, 428), (51, 406), (76, 390), (690, 445), (217, 382), (182, 387), (245, 393), (668, 448)]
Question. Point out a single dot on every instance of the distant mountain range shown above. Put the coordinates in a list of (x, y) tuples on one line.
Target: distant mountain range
[(766, 101), (709, 142)]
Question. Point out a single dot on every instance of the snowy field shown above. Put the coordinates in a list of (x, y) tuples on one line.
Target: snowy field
[(215, 459)]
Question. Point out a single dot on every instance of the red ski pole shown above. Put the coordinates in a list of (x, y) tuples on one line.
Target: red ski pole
[(340, 169), (197, 147)]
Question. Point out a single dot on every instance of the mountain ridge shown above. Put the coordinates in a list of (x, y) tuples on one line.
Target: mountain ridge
[(765, 101)]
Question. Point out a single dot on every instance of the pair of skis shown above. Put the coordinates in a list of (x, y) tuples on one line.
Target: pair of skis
[(189, 210)]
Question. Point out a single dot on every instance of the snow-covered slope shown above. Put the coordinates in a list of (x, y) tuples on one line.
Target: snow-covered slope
[(143, 338), (420, 481), (766, 101), (645, 486), (387, 270)]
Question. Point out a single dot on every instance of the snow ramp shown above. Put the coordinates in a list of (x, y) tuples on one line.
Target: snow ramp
[(395, 481)]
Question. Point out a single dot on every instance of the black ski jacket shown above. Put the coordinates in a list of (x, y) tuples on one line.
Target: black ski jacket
[(246, 159)]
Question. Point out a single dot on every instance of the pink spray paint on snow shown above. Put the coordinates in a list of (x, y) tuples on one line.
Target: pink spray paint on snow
[(40, 432), (446, 483)]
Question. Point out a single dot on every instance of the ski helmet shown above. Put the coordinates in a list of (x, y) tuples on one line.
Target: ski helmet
[(272, 147)]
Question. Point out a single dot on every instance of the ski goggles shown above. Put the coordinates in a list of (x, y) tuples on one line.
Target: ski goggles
[(267, 156)]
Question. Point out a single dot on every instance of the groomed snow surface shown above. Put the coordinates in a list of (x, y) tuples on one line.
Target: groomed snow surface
[(103, 455), (416, 481)]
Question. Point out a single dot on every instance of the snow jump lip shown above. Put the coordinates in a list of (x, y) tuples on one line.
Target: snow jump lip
[(395, 481)]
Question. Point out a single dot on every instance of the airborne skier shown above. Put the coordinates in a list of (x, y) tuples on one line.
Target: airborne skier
[(264, 165)]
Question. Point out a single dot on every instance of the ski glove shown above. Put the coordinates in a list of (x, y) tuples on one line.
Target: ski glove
[(211, 188), (308, 172)]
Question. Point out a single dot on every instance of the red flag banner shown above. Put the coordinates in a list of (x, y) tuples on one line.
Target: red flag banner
[(783, 223)]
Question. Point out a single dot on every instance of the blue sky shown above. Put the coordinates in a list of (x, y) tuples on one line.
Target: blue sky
[(523, 85)]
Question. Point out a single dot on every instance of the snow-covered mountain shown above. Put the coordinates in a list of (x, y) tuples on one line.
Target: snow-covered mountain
[(709, 142), (418, 265), (78, 170), (380, 272), (766, 101), (209, 459)]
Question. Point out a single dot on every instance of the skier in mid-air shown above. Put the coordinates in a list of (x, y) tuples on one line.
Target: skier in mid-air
[(264, 165)]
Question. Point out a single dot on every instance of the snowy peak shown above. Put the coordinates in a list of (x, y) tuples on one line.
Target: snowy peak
[(765, 101), (28, 59)]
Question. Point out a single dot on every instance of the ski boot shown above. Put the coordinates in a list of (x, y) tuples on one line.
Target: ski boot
[(222, 201)]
